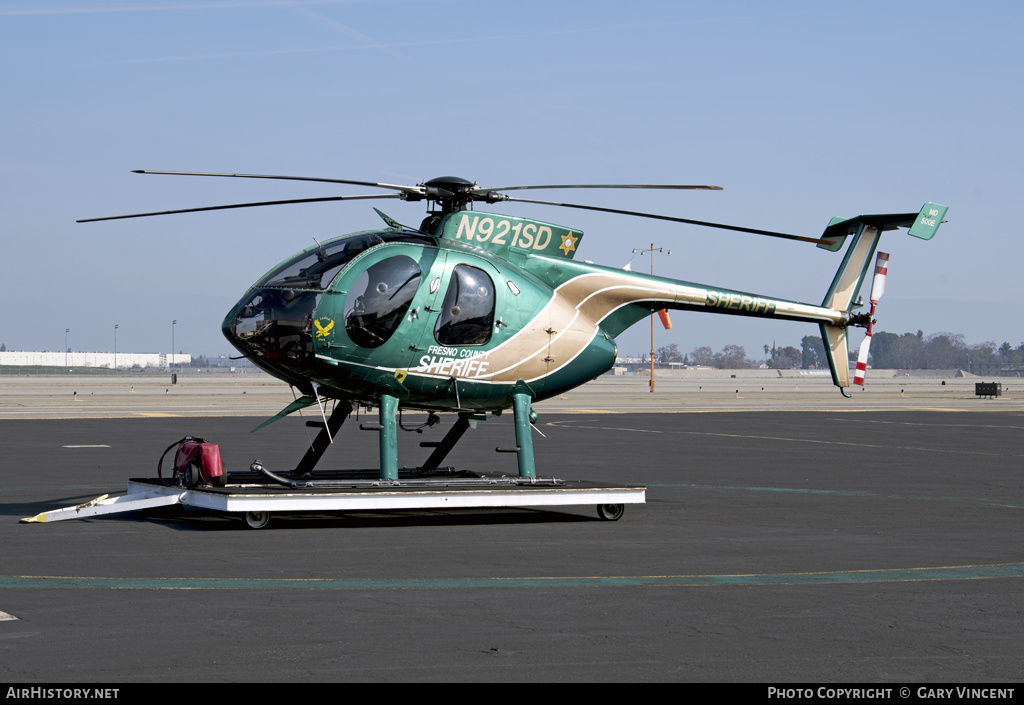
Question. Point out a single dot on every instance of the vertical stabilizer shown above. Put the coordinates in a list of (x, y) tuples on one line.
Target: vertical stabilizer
[(837, 349), (841, 295), (853, 269)]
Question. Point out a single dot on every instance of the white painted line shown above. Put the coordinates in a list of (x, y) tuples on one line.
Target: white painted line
[(94, 446), (4, 617)]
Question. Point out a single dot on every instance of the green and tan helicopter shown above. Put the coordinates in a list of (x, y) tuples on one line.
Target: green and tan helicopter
[(477, 313)]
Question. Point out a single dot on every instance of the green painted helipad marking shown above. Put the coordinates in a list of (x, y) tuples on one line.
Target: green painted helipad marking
[(963, 572)]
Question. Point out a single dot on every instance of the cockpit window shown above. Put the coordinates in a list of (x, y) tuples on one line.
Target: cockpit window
[(379, 299), (314, 270), (467, 317)]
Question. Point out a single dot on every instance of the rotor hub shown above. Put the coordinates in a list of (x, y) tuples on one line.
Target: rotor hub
[(452, 193)]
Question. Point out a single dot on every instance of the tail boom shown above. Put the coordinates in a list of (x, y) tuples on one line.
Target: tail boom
[(616, 299)]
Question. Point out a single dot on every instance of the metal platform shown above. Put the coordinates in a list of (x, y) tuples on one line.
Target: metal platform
[(258, 499)]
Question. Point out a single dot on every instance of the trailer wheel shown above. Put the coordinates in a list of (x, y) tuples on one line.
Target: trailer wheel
[(611, 512), (257, 520)]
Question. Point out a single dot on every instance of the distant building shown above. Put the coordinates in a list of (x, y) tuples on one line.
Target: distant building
[(88, 359), (997, 369)]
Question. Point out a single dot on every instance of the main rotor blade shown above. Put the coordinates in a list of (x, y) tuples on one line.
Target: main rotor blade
[(395, 187), (641, 186), (673, 219), (241, 205)]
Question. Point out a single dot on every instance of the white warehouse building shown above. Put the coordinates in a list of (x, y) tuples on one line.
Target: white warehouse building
[(91, 359)]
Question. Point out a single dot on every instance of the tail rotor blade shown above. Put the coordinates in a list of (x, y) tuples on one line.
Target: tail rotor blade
[(862, 361), (877, 289), (881, 271)]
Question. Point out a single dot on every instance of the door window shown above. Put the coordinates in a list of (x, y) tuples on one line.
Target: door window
[(379, 299), (467, 316)]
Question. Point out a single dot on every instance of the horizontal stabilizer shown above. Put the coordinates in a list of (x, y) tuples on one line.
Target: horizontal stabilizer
[(923, 224), (928, 221)]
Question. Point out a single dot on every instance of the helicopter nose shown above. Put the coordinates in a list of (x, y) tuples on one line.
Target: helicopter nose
[(271, 327)]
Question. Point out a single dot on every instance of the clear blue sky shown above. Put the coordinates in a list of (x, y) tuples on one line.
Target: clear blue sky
[(800, 110)]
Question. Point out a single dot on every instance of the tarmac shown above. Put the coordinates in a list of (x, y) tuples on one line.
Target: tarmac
[(789, 536), (258, 394)]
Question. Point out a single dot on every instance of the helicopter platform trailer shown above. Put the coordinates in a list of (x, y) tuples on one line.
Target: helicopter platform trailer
[(256, 499)]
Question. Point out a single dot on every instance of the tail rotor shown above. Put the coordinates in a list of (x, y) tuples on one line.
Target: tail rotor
[(877, 289)]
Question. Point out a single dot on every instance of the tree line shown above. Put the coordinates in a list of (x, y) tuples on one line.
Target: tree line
[(939, 351)]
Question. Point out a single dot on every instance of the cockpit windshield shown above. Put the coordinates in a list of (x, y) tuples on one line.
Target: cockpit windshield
[(315, 269)]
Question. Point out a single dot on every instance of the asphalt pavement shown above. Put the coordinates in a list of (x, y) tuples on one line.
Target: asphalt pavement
[(883, 546)]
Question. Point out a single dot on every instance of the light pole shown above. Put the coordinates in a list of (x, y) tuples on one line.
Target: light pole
[(652, 250), (115, 347), (173, 323), (66, 331)]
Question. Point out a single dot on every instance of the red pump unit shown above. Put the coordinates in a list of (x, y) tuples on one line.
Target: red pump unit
[(196, 463)]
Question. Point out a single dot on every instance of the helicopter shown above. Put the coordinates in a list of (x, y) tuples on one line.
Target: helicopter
[(478, 313)]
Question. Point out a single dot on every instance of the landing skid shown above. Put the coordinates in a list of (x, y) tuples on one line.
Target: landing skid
[(387, 429)]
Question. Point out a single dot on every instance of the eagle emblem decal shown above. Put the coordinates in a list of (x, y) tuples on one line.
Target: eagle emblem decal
[(322, 330)]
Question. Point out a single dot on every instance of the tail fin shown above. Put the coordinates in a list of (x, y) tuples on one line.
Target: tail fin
[(866, 231)]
